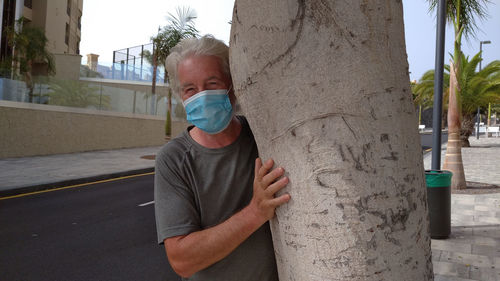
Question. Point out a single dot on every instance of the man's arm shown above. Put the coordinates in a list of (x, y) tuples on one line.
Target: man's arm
[(198, 250)]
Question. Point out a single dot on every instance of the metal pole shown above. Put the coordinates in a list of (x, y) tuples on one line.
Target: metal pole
[(113, 66), (480, 59), (438, 86), (480, 68), (126, 71), (142, 58)]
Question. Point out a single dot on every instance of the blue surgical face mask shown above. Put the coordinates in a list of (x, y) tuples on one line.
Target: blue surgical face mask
[(209, 110)]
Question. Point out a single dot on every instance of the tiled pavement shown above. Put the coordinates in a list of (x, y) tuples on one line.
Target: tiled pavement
[(473, 250), (19, 173)]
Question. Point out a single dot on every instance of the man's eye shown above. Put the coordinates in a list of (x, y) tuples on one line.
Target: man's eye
[(213, 84), (188, 92)]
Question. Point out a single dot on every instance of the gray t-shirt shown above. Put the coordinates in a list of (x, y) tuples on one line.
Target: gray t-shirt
[(198, 187)]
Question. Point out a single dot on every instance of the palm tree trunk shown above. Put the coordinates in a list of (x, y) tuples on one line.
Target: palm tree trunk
[(326, 91), (453, 158), (28, 79), (168, 130), (466, 129), (153, 85)]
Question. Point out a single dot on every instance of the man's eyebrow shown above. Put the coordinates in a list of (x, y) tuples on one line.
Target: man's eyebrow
[(214, 77), (186, 84)]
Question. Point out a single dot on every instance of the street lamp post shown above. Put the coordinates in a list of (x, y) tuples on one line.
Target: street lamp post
[(438, 86), (481, 58)]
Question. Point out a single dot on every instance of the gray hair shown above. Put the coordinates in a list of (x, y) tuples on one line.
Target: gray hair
[(205, 46)]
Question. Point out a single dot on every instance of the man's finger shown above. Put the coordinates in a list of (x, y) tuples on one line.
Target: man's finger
[(278, 201), (265, 167), (258, 165), (272, 176), (278, 185)]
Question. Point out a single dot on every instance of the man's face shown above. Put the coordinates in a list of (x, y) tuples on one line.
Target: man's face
[(200, 73)]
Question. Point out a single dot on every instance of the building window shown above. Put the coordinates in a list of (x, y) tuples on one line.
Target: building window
[(68, 9), (77, 45), (80, 21), (66, 35), (28, 4)]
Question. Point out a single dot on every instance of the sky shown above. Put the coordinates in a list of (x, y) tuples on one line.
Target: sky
[(117, 24)]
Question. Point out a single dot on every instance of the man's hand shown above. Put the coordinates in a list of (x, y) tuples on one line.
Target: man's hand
[(266, 184), (191, 253)]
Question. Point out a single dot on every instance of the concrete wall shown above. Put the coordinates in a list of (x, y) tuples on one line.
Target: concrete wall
[(67, 66), (31, 129)]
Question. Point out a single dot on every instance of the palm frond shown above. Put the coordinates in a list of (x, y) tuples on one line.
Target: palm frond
[(467, 11), (184, 21)]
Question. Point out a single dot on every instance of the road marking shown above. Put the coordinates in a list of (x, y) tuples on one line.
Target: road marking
[(147, 203), (76, 185)]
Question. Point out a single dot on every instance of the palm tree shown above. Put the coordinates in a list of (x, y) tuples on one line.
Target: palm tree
[(424, 92), (462, 14), (179, 27), (349, 146), (478, 89), (30, 47)]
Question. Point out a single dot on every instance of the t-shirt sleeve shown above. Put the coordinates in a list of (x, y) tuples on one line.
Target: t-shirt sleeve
[(175, 208)]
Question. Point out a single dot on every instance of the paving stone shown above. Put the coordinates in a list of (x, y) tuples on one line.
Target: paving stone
[(485, 250), (436, 254), (483, 240), (458, 208), (478, 207), (486, 274), (450, 278), (460, 232), (445, 268), (492, 231), (496, 262), (467, 259), (451, 246), (487, 220)]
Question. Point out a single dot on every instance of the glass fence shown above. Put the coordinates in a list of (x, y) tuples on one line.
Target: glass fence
[(130, 72), (95, 93)]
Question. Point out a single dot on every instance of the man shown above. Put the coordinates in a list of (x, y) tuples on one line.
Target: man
[(213, 196)]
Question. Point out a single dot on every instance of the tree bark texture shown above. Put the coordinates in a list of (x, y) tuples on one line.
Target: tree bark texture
[(453, 158), (325, 87), (467, 129)]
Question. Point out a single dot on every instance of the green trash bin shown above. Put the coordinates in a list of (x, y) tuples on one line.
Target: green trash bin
[(439, 202)]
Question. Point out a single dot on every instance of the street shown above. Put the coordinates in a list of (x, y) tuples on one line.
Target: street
[(426, 140), (102, 231), (94, 232)]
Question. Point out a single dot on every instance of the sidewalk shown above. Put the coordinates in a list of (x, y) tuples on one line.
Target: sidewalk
[(28, 174), (473, 250)]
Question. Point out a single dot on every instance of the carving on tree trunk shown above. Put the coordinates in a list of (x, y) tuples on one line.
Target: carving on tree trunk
[(325, 87)]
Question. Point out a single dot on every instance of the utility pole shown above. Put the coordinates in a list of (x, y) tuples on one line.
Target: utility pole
[(480, 68), (438, 86)]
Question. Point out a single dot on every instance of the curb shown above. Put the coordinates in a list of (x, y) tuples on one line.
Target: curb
[(53, 185)]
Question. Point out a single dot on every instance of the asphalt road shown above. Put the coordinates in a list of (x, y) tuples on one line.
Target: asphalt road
[(95, 232), (426, 140)]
